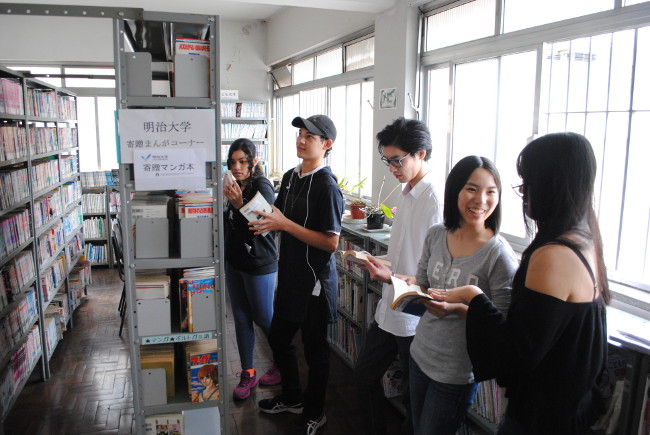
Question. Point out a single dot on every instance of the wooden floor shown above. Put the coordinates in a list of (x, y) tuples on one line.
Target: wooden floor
[(90, 388)]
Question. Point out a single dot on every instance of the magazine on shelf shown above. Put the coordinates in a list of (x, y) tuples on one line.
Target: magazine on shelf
[(194, 281)]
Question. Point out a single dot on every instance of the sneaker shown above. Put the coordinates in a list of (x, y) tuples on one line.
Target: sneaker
[(311, 426), (246, 382), (277, 404), (271, 377)]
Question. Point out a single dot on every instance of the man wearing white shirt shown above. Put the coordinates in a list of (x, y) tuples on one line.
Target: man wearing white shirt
[(405, 147)]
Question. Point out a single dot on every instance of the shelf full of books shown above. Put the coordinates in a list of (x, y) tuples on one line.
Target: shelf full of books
[(41, 237), (356, 300), (100, 205), (172, 235), (245, 119)]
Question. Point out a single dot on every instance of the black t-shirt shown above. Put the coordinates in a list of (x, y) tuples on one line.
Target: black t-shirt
[(315, 202)]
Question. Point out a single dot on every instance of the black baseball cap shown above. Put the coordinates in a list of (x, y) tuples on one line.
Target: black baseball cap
[(316, 124)]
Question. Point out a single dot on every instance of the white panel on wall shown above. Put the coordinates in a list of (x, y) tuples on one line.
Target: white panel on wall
[(77, 39)]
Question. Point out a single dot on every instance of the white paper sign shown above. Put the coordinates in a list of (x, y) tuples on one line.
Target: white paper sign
[(161, 130), (230, 94), (169, 169)]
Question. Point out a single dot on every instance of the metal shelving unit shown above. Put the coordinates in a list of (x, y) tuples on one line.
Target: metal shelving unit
[(130, 44), (59, 151)]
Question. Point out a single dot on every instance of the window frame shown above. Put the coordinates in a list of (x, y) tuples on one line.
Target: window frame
[(617, 19)]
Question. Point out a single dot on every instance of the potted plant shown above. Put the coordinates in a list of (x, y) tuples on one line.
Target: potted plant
[(375, 216), (356, 208)]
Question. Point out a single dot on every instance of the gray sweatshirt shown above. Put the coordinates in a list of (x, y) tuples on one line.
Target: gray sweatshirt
[(439, 347)]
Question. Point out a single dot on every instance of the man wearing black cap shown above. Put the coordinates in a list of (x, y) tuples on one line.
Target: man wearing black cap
[(307, 213)]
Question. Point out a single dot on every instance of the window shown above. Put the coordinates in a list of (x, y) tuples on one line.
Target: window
[(592, 86), (303, 71), (360, 54), (353, 116), (347, 56), (524, 14), (497, 95), (335, 82), (462, 23), (329, 63)]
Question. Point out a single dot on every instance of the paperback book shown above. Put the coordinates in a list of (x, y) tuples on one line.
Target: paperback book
[(257, 202), (407, 297), (359, 257)]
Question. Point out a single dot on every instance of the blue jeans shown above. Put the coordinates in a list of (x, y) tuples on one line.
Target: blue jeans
[(251, 299), (438, 408)]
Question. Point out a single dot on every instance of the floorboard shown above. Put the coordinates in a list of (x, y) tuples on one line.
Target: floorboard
[(90, 390)]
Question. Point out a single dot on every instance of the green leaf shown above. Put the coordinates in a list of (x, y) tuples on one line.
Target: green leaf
[(386, 210)]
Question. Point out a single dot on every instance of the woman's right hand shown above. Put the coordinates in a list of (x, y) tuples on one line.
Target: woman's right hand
[(234, 195)]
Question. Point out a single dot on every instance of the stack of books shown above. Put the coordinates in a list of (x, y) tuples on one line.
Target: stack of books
[(194, 203), (13, 142), (195, 281), (151, 286), (11, 97)]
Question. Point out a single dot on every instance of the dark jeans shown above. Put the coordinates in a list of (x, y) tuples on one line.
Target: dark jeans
[(251, 299), (314, 339), (379, 351), (438, 408)]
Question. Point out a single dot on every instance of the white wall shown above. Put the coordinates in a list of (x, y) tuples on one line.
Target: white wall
[(90, 40), (243, 45), (295, 30), (396, 54)]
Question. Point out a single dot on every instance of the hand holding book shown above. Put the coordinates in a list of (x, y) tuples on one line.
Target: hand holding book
[(462, 294), (256, 211), (233, 193), (378, 269)]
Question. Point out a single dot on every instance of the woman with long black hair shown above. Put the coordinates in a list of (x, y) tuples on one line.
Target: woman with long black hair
[(550, 350)]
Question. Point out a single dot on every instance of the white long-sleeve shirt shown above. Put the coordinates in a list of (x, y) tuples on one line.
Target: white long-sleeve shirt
[(418, 209)]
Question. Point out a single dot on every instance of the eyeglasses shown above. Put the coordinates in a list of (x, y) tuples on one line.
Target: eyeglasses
[(396, 163), (519, 190)]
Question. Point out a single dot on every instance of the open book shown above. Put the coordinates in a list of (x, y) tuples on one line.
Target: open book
[(257, 202), (359, 257), (406, 297)]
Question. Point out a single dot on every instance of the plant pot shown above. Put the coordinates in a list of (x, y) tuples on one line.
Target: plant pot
[(356, 211), (375, 221)]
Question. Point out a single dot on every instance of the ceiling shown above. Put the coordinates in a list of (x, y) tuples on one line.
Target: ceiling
[(230, 9)]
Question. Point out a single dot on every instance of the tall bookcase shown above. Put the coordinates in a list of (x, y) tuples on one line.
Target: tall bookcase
[(41, 220), (245, 119), (157, 76), (99, 213)]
